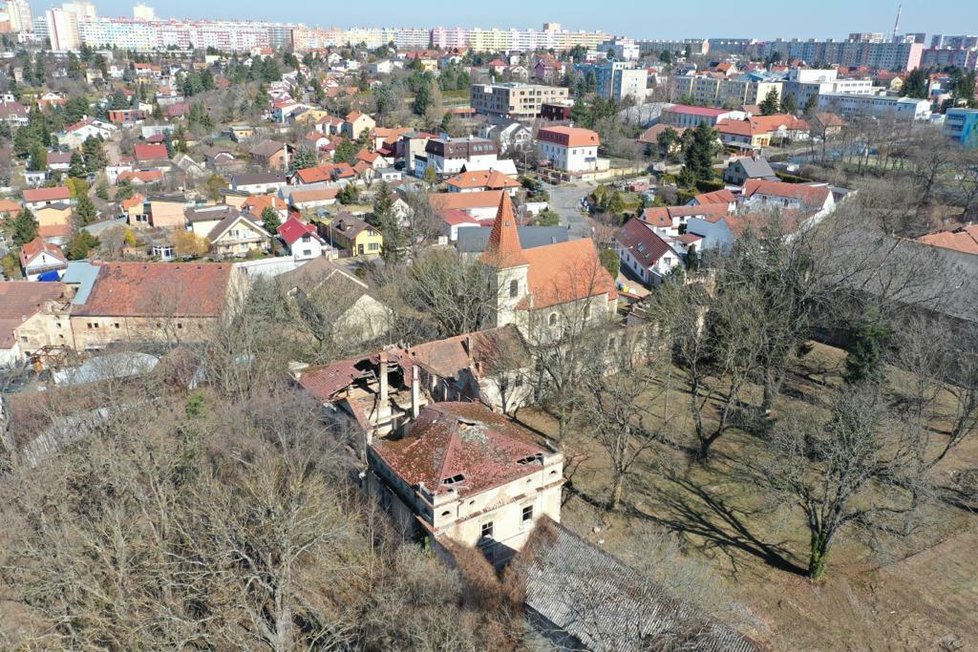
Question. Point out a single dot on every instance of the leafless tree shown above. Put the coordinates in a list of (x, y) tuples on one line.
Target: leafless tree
[(850, 469)]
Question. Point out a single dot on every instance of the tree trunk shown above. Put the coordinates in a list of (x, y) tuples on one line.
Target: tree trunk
[(818, 559), (616, 493)]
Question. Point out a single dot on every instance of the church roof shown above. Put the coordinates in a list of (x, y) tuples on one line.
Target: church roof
[(504, 248)]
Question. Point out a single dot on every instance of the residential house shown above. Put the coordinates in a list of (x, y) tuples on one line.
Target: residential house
[(135, 209), (151, 153), (303, 200), (356, 123), (645, 253), (707, 222), (514, 137), (816, 200), (59, 161), (54, 221), (189, 166), (742, 170), (718, 197), (166, 211), (256, 205), (201, 220), (449, 156), (258, 184), (483, 180), (682, 115), (14, 114), (355, 236), (123, 303), (238, 235), (38, 259), (463, 474), (140, 178), (272, 154), (963, 239), (75, 135), (32, 316), (570, 149), (241, 133), (301, 238), (480, 205), (359, 317), (219, 158), (35, 198)]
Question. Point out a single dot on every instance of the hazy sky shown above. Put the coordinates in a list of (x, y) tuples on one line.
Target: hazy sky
[(648, 19)]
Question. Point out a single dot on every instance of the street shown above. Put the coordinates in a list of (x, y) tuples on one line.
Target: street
[(565, 200)]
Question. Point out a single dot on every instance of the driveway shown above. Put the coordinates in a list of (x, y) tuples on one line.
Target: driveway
[(565, 200)]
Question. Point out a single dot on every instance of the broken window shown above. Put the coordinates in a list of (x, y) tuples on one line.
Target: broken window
[(530, 459), (455, 479)]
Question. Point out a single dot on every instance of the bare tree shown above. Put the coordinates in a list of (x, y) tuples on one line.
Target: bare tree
[(847, 470)]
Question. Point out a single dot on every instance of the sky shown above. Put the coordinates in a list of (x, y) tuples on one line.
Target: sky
[(765, 19)]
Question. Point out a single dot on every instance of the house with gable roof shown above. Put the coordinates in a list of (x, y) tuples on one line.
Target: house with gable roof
[(645, 253), (301, 238), (38, 258)]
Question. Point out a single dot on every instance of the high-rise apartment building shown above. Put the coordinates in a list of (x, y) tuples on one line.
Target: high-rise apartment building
[(21, 16), (883, 56), (617, 80)]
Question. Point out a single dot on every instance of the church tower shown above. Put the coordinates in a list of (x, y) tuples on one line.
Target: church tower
[(508, 268)]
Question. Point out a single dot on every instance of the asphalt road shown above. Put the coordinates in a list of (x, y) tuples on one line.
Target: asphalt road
[(565, 200)]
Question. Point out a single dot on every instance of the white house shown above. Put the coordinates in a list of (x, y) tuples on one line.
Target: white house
[(570, 149), (37, 257), (258, 184), (75, 135), (301, 239), (449, 156), (643, 252)]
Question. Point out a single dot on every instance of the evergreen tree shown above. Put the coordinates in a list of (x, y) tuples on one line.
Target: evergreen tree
[(698, 161), (383, 204), (38, 157), (93, 152), (24, 227), (771, 103), (270, 220), (302, 159), (86, 210), (789, 104), (77, 168), (916, 85), (865, 361), (80, 245)]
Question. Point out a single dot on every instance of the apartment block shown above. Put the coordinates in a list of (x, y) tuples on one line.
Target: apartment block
[(514, 100)]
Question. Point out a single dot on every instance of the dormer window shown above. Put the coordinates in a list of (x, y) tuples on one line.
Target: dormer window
[(454, 480), (530, 459)]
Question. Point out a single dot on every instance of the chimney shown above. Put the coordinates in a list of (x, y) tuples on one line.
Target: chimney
[(415, 392), (383, 379)]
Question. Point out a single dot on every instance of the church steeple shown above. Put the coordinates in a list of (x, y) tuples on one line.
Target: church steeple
[(504, 249)]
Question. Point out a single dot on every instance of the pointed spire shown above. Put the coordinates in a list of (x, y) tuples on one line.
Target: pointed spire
[(504, 249)]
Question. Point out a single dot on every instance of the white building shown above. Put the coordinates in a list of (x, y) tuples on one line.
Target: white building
[(142, 12), (900, 108), (803, 84), (570, 149), (21, 16)]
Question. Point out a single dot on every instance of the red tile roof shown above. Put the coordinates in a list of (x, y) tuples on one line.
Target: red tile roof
[(36, 247), (465, 200), (964, 239), (565, 272), (696, 110), (293, 229), (504, 249), (158, 290), (449, 440), (150, 152), (21, 300), (59, 193), (716, 197), (488, 179), (569, 136)]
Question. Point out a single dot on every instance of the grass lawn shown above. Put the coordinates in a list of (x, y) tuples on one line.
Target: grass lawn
[(887, 595)]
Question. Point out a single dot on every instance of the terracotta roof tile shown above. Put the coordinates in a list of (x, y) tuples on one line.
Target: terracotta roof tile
[(566, 271), (158, 290), (449, 440), (504, 249)]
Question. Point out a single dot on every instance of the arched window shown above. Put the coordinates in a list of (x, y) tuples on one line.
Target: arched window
[(587, 311), (553, 319), (514, 288)]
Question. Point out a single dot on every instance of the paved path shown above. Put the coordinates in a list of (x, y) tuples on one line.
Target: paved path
[(565, 200)]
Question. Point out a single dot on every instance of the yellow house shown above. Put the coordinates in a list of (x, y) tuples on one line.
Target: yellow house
[(356, 236), (356, 123), (53, 220), (311, 116), (135, 210)]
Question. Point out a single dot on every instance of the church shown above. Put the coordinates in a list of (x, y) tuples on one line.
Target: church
[(545, 291)]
